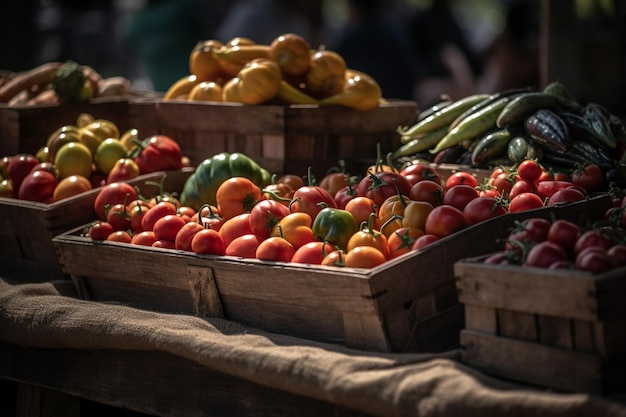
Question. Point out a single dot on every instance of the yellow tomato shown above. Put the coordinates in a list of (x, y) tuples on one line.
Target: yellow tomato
[(73, 158), (107, 154), (70, 186), (104, 129)]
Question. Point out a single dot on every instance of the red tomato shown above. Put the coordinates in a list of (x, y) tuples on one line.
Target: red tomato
[(544, 254), (401, 240), (114, 193), (481, 209), (119, 236), (461, 177), (236, 195), (424, 241), (445, 220), (244, 246), (545, 189), (136, 212), (334, 182), (459, 195), (616, 216), (524, 202), (618, 254), (185, 235), (344, 195), (265, 215), (594, 259), (118, 216), (592, 238), (19, 167), (361, 208), (144, 238), (428, 191), (162, 209), (307, 200), (168, 226), (590, 177), (418, 171), (566, 195), (503, 182), (498, 258), (38, 186), (529, 170), (312, 253), (275, 249), (235, 227), (208, 241), (521, 186), (99, 230), (565, 233), (164, 244), (186, 212), (381, 185), (210, 217), (527, 232)]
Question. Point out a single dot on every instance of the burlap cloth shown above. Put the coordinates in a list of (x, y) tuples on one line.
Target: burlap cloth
[(47, 315)]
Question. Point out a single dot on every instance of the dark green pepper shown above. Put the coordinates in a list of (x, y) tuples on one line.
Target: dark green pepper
[(335, 226), (201, 187)]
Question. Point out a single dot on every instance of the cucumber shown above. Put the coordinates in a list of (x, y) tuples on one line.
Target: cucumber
[(490, 100), (490, 146), (522, 106), (420, 144)]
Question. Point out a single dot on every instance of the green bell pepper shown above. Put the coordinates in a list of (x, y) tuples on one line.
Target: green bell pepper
[(335, 226), (201, 187)]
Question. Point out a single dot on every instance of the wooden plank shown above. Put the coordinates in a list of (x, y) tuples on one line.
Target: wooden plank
[(35, 401), (365, 332), (555, 331), (533, 363), (206, 298), (517, 325), (481, 318), (584, 336)]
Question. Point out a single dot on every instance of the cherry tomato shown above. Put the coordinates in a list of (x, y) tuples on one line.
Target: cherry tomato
[(428, 191), (445, 220), (459, 195), (461, 177), (361, 208), (120, 236), (617, 252), (545, 189), (590, 177), (527, 232), (208, 241), (418, 171), (118, 216), (592, 238), (143, 238), (164, 244), (235, 227), (565, 233), (244, 246), (99, 230), (185, 235), (312, 253), (364, 257), (236, 195), (162, 209), (114, 193), (544, 254), (423, 241), (275, 248), (521, 186), (168, 226), (524, 202), (503, 182), (481, 209), (529, 170), (498, 258)]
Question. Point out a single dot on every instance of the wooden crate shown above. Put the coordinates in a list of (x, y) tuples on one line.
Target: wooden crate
[(561, 329), (282, 139), (25, 129), (27, 228), (406, 304)]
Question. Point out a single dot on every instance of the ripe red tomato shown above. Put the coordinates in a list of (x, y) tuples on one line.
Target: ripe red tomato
[(459, 195), (590, 177), (544, 254), (445, 220), (361, 208), (401, 240), (235, 227), (594, 259), (146, 238), (481, 209), (617, 252), (381, 185), (118, 216), (137, 210), (545, 189), (38, 186), (565, 233), (156, 212), (527, 232), (418, 171), (99, 230), (167, 227), (312, 253), (275, 248), (19, 166), (164, 244), (186, 234), (521, 186), (265, 215), (498, 258), (208, 241), (243, 246), (210, 217), (503, 182), (428, 191), (307, 200), (461, 177), (592, 238), (121, 236), (566, 195), (111, 194), (424, 241), (524, 202), (529, 170)]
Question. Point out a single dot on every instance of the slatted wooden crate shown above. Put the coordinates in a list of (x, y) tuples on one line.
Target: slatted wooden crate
[(561, 329), (283, 139), (406, 304), (25, 129), (27, 228)]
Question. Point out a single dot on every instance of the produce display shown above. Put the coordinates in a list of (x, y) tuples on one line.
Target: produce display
[(78, 157), (59, 82), (507, 127), (288, 71)]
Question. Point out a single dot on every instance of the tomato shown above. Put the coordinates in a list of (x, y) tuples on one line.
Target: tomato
[(364, 257), (381, 185), (18, 167), (114, 193), (544, 254), (136, 211), (99, 230), (344, 195), (237, 195), (445, 220), (295, 228), (334, 182), (481, 209), (594, 259), (275, 248), (185, 235), (565, 233), (280, 190), (423, 241), (418, 171), (265, 215), (293, 181), (521, 186), (164, 244), (428, 191), (146, 238), (334, 258), (566, 195), (123, 169), (402, 240), (71, 186), (616, 216), (592, 238), (312, 253), (120, 236), (617, 252), (545, 189), (210, 218), (187, 213), (498, 258), (553, 176), (503, 182), (155, 213), (529, 170), (461, 177), (361, 208), (208, 241), (108, 152), (369, 237), (527, 232), (38, 186), (590, 177), (459, 195), (168, 226), (244, 246), (524, 202), (118, 216), (235, 227), (73, 158), (307, 200)]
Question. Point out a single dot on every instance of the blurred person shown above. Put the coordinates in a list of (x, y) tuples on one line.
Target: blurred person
[(372, 43)]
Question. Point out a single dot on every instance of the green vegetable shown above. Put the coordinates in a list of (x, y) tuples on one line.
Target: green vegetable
[(69, 82), (201, 187), (334, 226)]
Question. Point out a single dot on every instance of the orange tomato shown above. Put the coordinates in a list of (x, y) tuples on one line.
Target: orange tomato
[(235, 196), (70, 186), (364, 257), (361, 208), (120, 236), (401, 240)]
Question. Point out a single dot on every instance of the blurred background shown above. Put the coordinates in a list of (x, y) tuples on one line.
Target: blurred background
[(416, 49)]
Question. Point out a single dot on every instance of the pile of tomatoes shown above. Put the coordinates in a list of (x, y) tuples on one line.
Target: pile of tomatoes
[(341, 221)]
